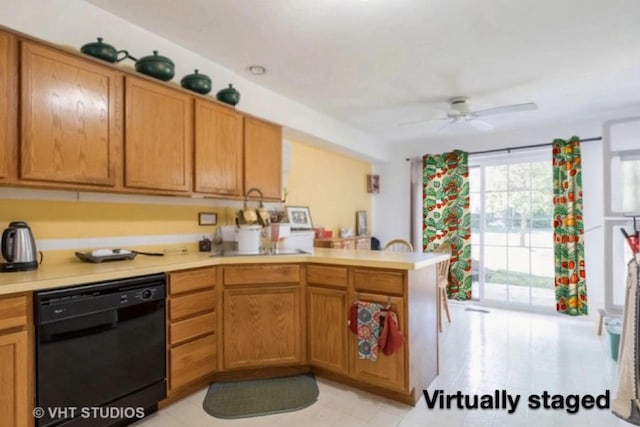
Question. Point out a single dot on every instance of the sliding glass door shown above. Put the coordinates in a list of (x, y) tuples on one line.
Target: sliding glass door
[(512, 235)]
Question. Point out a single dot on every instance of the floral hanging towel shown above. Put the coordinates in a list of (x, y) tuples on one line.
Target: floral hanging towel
[(368, 329)]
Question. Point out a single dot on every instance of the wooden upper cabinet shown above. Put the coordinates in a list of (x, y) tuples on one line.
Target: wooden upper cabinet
[(218, 150), (158, 137), (70, 118), (263, 157), (8, 106)]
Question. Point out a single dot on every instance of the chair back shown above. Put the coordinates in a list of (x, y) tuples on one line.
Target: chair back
[(443, 267), (398, 245)]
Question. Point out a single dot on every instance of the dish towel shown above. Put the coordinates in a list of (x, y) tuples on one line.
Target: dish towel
[(368, 329), (391, 338)]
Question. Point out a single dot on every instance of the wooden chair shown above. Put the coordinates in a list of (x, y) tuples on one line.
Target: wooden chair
[(443, 281), (398, 245)]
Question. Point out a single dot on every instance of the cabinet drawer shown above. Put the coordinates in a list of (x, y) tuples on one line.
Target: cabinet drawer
[(261, 274), (185, 281), (187, 305), (386, 282), (324, 275), (191, 361), (13, 311), (186, 329)]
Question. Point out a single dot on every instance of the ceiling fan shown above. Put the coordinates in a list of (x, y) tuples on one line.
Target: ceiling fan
[(460, 112)]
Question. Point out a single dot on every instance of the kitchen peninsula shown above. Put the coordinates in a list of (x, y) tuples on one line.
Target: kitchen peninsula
[(239, 317)]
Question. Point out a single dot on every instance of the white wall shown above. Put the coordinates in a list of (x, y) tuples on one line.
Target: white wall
[(73, 23), (391, 206)]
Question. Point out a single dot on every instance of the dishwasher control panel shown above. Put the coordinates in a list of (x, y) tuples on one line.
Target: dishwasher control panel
[(79, 300)]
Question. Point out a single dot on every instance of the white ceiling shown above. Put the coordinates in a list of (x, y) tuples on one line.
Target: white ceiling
[(376, 63)]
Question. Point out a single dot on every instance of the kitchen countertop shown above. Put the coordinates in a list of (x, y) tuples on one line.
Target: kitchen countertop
[(77, 272)]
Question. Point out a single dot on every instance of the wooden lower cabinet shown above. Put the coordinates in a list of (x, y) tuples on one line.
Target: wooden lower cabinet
[(16, 366), (192, 318), (389, 372), (327, 328), (192, 361), (262, 326), (262, 316), (332, 346)]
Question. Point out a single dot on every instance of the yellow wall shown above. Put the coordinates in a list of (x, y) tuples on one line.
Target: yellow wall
[(53, 219), (332, 185)]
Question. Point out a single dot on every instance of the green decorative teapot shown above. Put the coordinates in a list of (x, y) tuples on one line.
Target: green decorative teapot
[(196, 82), (104, 51), (228, 95), (157, 66)]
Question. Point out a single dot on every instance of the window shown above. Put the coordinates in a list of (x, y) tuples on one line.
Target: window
[(512, 235), (621, 149)]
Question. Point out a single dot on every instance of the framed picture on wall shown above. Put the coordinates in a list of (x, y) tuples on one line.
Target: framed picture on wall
[(299, 217), (373, 184), (362, 229), (207, 218)]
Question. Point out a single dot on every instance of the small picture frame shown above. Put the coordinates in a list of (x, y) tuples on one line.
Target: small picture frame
[(373, 184), (207, 218), (362, 228), (299, 217)]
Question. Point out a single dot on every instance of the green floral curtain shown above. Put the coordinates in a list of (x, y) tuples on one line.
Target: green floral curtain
[(568, 228), (446, 215)]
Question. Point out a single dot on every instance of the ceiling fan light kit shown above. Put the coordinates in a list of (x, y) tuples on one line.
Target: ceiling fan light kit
[(460, 112)]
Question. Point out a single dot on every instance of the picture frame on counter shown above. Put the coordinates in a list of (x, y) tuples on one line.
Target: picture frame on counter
[(207, 218), (299, 217), (362, 228)]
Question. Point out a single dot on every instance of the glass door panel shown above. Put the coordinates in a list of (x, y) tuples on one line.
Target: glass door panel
[(512, 236)]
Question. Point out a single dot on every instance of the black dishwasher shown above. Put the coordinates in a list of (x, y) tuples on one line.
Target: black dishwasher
[(100, 352)]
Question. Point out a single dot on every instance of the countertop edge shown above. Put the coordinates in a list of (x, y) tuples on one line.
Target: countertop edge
[(76, 272)]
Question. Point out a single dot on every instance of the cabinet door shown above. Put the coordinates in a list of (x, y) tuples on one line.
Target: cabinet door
[(263, 157), (218, 150), (8, 106), (14, 380), (261, 326), (327, 333), (387, 371), (158, 137), (70, 118)]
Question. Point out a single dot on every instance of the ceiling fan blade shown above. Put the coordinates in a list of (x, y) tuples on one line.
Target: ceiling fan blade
[(480, 124), (416, 122), (444, 127), (528, 106), (412, 122)]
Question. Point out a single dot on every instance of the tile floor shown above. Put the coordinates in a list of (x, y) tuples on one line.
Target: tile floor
[(522, 353)]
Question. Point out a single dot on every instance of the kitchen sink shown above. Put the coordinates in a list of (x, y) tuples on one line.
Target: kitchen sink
[(227, 253)]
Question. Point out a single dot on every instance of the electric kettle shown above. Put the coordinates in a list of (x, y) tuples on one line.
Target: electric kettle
[(19, 248)]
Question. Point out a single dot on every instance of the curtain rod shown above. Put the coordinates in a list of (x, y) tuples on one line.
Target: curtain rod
[(523, 147)]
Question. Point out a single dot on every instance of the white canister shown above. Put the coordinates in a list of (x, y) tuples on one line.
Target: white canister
[(249, 239)]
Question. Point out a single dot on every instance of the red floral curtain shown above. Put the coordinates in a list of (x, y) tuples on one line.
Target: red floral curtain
[(446, 215), (568, 228)]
